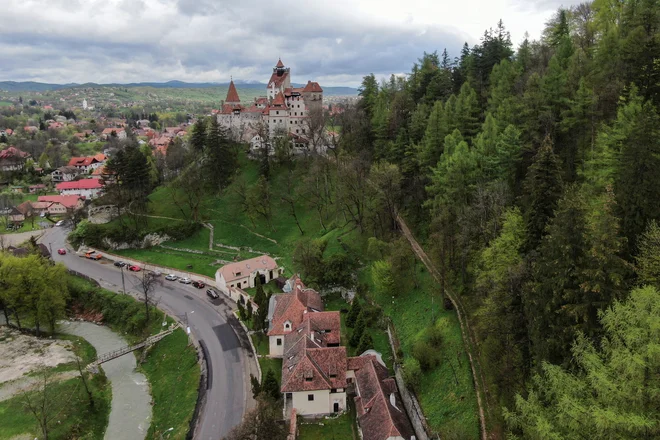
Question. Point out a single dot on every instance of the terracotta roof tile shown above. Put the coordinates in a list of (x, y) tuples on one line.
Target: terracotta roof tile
[(313, 87), (67, 201), (232, 94), (280, 64), (241, 269), (80, 184), (279, 100)]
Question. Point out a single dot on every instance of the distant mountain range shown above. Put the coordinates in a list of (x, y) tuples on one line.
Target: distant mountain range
[(31, 86)]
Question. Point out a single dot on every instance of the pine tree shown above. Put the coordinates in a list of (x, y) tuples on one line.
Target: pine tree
[(434, 136), (256, 386), (366, 343), (198, 136), (270, 387), (259, 295), (543, 188), (637, 180), (648, 256), (353, 313), (358, 331)]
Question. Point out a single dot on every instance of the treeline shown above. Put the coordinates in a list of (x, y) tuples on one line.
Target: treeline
[(532, 173)]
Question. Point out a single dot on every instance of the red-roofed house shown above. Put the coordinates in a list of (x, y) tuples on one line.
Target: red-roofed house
[(242, 274), (70, 203), (314, 369), (287, 311), (380, 411), (89, 163), (12, 159), (89, 188)]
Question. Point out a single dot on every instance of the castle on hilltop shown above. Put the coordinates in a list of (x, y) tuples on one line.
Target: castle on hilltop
[(284, 109)]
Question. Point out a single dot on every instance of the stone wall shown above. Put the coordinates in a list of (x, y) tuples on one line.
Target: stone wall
[(413, 409)]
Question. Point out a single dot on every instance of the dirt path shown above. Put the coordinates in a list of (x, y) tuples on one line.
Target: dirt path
[(130, 414), (468, 339)]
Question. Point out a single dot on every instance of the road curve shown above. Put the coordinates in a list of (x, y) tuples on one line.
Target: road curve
[(230, 359)]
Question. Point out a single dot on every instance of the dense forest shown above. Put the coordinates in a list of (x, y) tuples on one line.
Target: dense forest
[(532, 173)]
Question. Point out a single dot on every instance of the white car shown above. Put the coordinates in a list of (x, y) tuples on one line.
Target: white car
[(60, 223), (171, 277), (185, 280)]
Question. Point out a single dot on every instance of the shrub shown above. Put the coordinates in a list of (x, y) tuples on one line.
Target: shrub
[(412, 373), (360, 327), (427, 356), (353, 313), (366, 343)]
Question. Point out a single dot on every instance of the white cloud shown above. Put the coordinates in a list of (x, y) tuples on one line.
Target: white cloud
[(335, 42)]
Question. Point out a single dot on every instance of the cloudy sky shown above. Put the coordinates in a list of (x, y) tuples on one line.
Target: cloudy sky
[(335, 42)]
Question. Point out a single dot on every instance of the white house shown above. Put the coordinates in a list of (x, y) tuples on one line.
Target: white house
[(65, 174), (242, 274), (88, 188)]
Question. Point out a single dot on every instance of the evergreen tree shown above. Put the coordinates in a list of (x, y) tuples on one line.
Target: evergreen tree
[(270, 387), (366, 343), (353, 313), (220, 157), (648, 256), (256, 386), (542, 187), (198, 136), (434, 136), (358, 331), (637, 180), (259, 295), (611, 391)]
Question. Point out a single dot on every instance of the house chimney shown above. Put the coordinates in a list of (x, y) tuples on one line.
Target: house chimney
[(393, 400)]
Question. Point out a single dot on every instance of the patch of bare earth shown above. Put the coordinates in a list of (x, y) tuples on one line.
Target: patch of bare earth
[(22, 354)]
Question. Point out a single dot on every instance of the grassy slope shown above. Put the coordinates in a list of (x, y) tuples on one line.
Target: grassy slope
[(78, 420), (173, 373), (449, 407)]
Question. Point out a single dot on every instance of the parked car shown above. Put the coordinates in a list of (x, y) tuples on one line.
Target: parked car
[(134, 268), (199, 284), (59, 223), (61, 251), (212, 294), (171, 277), (185, 280), (120, 263), (90, 254), (156, 273), (96, 257)]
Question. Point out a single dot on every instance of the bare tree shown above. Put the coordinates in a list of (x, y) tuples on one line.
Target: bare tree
[(315, 124), (260, 423), (81, 371), (188, 191), (290, 201), (147, 284), (43, 403)]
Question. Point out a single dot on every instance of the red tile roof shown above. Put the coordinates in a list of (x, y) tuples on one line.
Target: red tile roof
[(277, 79), (279, 100), (280, 64), (230, 272), (67, 201), (308, 366), (313, 87), (82, 161), (109, 131), (80, 184), (13, 152), (293, 306), (232, 94), (379, 407)]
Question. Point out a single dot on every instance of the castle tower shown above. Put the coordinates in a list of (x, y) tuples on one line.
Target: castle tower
[(232, 94), (279, 80)]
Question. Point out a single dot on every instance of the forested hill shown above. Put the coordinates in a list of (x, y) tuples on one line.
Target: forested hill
[(533, 173)]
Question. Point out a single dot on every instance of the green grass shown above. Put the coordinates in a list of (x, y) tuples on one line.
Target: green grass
[(260, 344), (173, 373), (6, 104), (269, 288), (271, 364), (69, 407), (450, 407), (201, 264), (88, 148), (83, 349), (342, 427)]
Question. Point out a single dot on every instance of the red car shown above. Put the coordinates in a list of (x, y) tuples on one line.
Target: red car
[(61, 251), (199, 284), (134, 268)]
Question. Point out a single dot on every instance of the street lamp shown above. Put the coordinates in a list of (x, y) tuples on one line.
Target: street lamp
[(161, 436)]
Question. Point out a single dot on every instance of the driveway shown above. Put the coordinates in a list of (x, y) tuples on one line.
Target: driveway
[(19, 237), (230, 360)]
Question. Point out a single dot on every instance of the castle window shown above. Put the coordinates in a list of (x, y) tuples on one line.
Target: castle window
[(310, 397), (279, 341), (295, 113), (277, 112)]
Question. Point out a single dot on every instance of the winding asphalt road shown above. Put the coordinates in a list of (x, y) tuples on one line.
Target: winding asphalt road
[(227, 347)]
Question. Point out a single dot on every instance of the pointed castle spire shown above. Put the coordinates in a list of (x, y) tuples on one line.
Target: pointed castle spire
[(280, 64), (232, 94)]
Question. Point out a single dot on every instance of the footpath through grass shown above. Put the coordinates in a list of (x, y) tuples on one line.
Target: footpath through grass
[(66, 404)]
